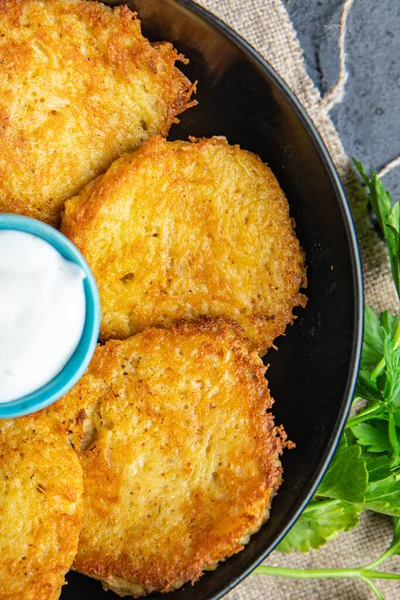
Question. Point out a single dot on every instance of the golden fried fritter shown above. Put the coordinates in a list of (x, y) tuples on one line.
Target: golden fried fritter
[(40, 509), (179, 456), (178, 230), (79, 85)]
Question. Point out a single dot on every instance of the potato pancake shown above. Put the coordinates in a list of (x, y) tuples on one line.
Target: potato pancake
[(179, 229), (40, 509), (180, 457), (79, 85)]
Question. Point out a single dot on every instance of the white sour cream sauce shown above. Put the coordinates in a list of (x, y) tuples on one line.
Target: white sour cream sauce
[(42, 313)]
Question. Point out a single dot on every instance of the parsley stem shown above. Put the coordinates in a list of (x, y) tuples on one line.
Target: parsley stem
[(394, 442), (312, 505), (306, 573), (389, 552), (373, 587), (360, 573), (363, 415), (372, 574), (378, 369)]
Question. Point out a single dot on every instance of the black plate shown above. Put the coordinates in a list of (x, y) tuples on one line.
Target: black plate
[(312, 376)]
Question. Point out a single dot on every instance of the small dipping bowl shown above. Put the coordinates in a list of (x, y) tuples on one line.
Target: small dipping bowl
[(79, 361)]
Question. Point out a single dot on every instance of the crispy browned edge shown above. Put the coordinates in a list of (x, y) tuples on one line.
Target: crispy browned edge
[(69, 526), (74, 225), (271, 438), (89, 9)]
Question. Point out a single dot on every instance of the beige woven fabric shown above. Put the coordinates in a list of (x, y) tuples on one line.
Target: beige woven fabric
[(266, 25)]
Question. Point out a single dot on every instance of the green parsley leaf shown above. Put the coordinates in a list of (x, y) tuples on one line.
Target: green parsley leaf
[(392, 375), (346, 478), (367, 388), (383, 494), (320, 522), (388, 218), (389, 323), (374, 335), (372, 350), (373, 435)]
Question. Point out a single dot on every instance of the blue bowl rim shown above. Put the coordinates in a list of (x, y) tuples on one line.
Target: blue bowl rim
[(63, 381)]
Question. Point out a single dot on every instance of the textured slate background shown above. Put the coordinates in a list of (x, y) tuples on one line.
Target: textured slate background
[(368, 119)]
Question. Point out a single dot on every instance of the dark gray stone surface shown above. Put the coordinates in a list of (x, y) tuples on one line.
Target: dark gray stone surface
[(368, 119)]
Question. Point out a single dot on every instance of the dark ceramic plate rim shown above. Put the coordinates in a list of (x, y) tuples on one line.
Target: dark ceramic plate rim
[(357, 299)]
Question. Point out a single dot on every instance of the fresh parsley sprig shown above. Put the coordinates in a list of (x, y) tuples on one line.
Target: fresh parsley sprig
[(365, 470), (388, 214), (368, 573)]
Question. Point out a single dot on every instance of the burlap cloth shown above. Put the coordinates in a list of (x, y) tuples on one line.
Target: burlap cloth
[(266, 25)]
